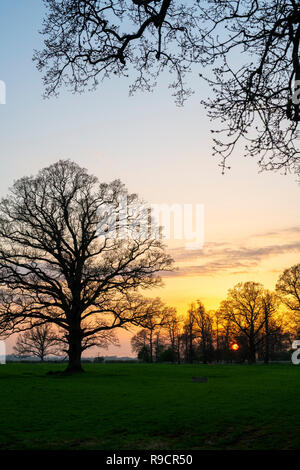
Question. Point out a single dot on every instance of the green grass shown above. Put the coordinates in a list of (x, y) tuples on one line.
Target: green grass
[(136, 406)]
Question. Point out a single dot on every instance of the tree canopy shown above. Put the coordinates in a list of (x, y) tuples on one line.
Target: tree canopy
[(247, 50)]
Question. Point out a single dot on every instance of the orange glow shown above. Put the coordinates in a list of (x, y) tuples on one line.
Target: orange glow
[(235, 347)]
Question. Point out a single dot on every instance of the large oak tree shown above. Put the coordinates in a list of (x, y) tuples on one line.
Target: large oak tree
[(72, 256)]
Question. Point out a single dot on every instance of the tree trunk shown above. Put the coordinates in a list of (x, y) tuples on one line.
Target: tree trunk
[(74, 352), (252, 351)]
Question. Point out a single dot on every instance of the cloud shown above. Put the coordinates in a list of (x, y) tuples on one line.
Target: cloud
[(290, 230), (223, 257), (207, 269)]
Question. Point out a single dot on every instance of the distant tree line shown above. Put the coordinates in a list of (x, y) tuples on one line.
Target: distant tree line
[(251, 324)]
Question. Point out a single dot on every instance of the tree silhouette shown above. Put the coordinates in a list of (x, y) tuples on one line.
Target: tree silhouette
[(173, 327), (40, 342), (89, 40), (189, 335), (248, 51), (255, 98), (250, 309), (271, 327), (288, 288), (156, 315), (71, 256)]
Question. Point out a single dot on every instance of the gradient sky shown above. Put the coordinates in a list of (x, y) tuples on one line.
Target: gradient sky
[(158, 150)]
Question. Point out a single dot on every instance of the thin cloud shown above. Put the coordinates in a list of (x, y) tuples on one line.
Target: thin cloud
[(291, 230), (223, 257)]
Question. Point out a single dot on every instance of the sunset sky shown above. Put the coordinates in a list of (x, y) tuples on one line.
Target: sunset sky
[(160, 151)]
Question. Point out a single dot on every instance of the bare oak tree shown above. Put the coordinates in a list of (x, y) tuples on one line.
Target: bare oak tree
[(250, 309), (270, 306), (203, 327), (247, 50), (156, 314), (39, 342), (173, 327), (288, 288), (140, 345), (71, 256), (254, 48)]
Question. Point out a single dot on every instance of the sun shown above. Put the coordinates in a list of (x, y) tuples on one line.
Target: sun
[(235, 347)]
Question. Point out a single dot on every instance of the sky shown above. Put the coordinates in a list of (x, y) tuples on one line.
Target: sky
[(158, 150)]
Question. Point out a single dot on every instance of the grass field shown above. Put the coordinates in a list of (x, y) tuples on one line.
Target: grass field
[(136, 406)]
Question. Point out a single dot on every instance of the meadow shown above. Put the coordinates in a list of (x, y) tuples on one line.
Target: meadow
[(150, 406)]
